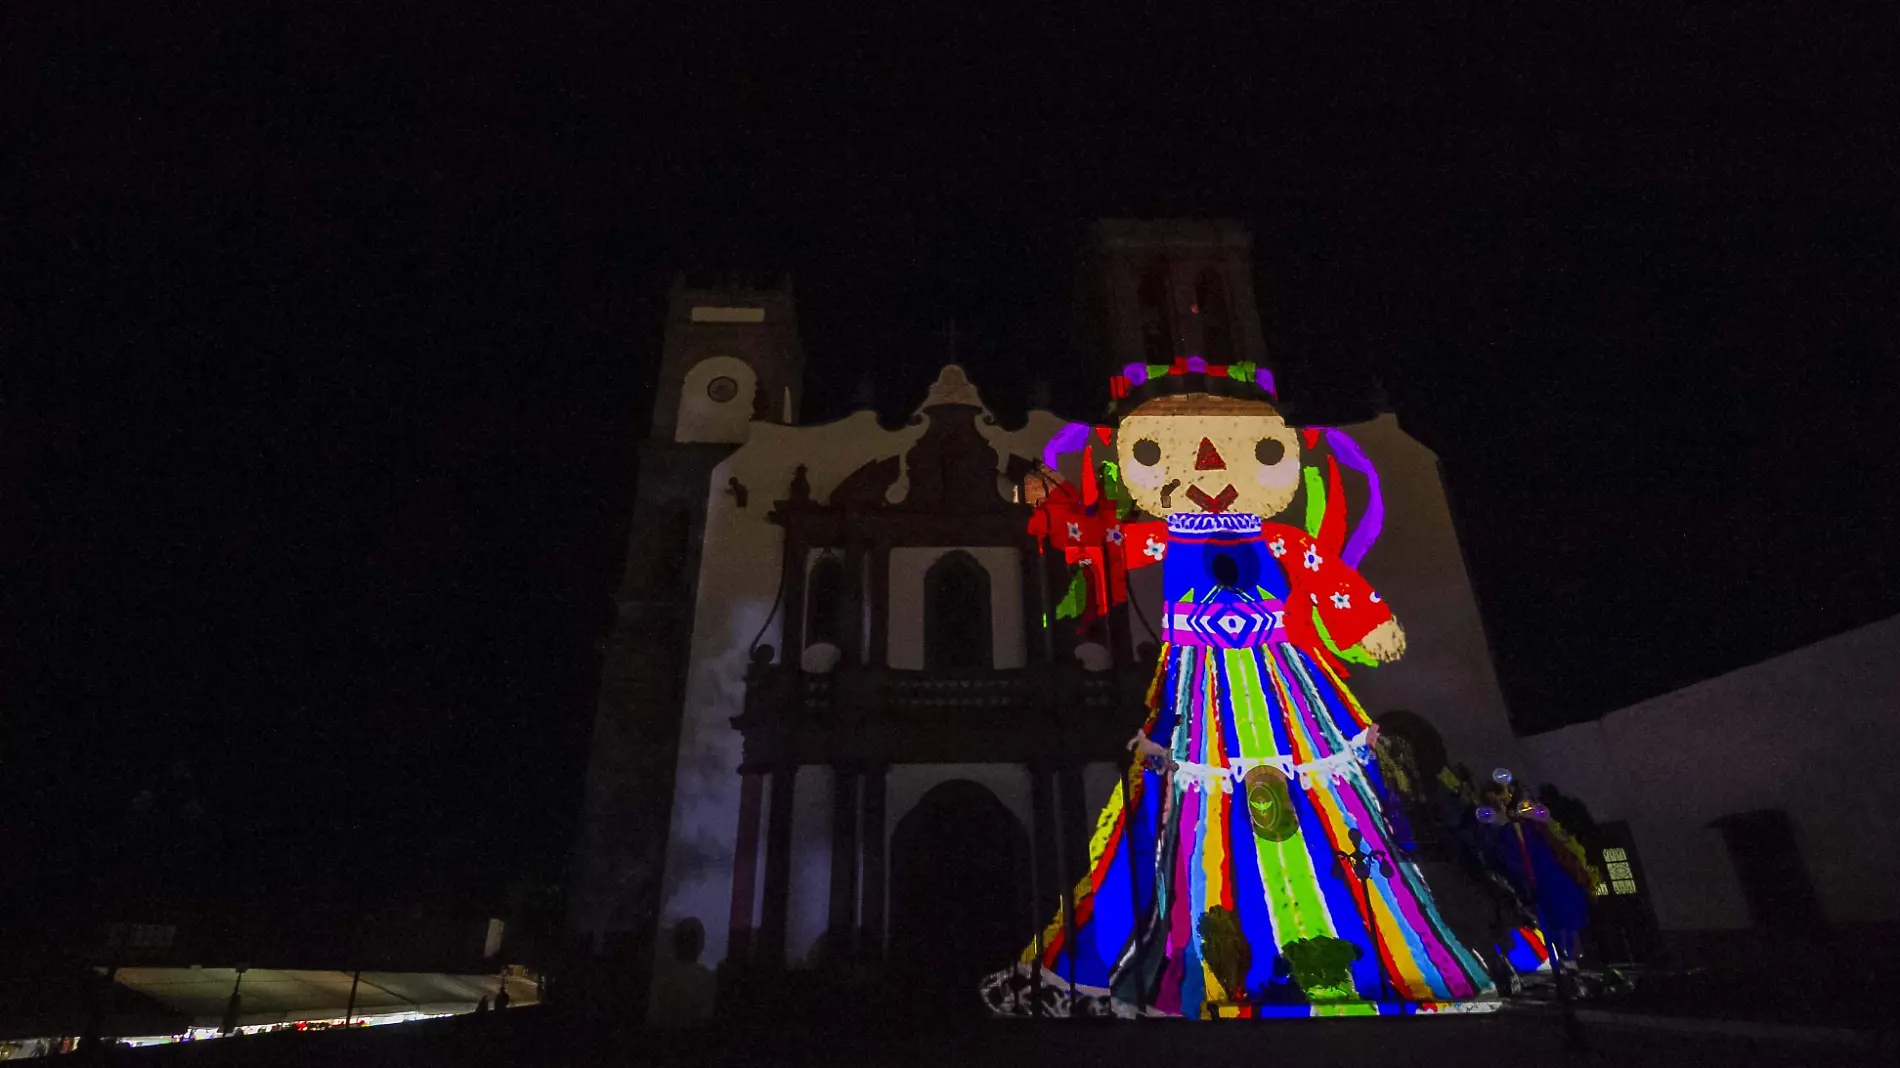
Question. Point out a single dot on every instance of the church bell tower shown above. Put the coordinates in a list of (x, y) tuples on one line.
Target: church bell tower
[(730, 357), (1154, 291)]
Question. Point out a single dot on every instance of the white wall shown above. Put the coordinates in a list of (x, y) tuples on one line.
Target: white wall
[(1812, 732), (703, 419), (1446, 674), (739, 575)]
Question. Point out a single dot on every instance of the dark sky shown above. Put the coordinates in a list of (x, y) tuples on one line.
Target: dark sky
[(331, 341)]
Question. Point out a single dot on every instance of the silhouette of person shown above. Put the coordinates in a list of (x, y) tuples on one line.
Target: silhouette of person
[(683, 989)]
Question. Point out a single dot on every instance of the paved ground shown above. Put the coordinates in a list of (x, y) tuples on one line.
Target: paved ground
[(531, 1038), (1388, 1043)]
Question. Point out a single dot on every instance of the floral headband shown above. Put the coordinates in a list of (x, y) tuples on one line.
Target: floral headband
[(1139, 383)]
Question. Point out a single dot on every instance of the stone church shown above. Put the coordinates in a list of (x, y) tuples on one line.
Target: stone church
[(839, 726)]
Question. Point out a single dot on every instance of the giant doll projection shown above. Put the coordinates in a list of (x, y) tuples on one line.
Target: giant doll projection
[(1247, 866)]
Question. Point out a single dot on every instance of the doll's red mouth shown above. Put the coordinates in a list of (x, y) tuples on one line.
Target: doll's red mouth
[(1212, 504)]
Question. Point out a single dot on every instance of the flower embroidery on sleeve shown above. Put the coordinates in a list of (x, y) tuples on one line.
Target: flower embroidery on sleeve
[(1075, 532), (1115, 535), (1342, 600), (1376, 598), (1312, 558), (1278, 547), (1156, 548)]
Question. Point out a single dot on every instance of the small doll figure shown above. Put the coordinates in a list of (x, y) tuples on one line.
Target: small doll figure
[(1256, 767)]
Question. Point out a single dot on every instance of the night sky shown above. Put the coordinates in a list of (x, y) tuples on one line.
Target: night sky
[(331, 345)]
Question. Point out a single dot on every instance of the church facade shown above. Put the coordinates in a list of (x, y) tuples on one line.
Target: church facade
[(840, 723)]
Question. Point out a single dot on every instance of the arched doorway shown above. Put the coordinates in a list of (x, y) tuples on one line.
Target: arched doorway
[(1424, 750), (1411, 757), (959, 897)]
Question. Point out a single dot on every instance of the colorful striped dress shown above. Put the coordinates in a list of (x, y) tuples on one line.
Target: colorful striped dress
[(1258, 624)]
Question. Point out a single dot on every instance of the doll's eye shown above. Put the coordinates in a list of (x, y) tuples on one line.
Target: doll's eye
[(1270, 451), (1147, 453)]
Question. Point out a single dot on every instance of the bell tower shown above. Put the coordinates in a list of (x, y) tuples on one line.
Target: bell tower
[(729, 357), (1154, 291)]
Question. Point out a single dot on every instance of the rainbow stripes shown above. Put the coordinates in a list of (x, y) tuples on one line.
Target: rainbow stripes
[(1163, 854)]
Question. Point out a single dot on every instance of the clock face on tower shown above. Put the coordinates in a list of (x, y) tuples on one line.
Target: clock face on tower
[(722, 389)]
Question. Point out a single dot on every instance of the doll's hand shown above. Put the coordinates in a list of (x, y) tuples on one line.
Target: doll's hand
[(1386, 643), (1148, 754)]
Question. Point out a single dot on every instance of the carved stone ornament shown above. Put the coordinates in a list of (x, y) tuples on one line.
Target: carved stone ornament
[(951, 387)]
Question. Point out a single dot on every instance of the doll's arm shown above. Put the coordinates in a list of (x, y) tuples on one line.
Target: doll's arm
[(1349, 614), (1143, 544)]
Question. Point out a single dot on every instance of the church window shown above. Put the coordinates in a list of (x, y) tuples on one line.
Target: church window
[(1616, 864), (722, 389), (825, 603), (1157, 319), (1217, 326), (957, 614)]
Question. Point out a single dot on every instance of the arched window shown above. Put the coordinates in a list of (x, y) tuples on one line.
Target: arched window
[(957, 614), (1217, 324), (825, 597), (1157, 315)]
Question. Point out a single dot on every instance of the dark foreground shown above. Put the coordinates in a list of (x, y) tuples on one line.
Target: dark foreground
[(536, 1037)]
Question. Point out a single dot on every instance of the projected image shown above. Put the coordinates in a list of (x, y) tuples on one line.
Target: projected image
[(1247, 865)]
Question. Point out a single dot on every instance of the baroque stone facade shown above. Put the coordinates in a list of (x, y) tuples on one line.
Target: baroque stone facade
[(838, 721)]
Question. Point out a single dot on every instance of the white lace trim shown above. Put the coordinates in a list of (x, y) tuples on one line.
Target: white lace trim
[(1335, 768), (1213, 522)]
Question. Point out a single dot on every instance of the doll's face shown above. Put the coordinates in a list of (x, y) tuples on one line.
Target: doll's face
[(1202, 453)]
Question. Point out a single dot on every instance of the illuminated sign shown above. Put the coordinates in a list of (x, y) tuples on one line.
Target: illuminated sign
[(710, 314)]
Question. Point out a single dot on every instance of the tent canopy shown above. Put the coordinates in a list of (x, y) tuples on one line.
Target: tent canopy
[(272, 995)]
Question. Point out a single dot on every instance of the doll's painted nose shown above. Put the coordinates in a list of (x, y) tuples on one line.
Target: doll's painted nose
[(1209, 458)]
